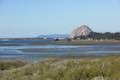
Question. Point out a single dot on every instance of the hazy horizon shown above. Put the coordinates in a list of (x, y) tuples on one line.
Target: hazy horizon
[(58, 16)]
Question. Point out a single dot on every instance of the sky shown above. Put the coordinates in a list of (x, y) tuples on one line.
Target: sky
[(58, 16)]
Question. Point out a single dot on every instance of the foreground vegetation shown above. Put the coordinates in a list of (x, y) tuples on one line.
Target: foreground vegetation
[(103, 68), (10, 64)]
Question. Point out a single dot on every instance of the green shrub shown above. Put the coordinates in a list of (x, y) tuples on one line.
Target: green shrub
[(106, 68)]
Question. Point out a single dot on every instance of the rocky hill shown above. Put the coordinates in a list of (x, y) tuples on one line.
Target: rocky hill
[(83, 30)]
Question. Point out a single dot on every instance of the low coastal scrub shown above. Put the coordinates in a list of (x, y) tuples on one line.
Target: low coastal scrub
[(103, 68), (10, 64)]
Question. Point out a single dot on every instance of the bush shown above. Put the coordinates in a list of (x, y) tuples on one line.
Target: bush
[(106, 68)]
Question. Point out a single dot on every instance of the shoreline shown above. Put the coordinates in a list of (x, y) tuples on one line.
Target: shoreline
[(65, 42)]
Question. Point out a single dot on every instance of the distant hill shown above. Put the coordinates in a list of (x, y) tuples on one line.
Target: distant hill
[(83, 30), (54, 36)]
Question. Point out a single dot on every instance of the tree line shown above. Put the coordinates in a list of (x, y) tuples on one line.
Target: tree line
[(99, 36)]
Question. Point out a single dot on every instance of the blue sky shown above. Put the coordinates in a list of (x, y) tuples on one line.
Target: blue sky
[(58, 16)]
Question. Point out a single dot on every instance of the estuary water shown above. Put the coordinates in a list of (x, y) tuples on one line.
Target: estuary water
[(38, 52)]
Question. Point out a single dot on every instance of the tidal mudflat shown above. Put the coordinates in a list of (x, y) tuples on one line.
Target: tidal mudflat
[(37, 52)]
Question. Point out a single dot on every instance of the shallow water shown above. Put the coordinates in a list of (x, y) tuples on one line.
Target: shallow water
[(22, 41), (13, 52)]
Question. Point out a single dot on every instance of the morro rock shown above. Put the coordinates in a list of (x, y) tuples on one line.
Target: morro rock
[(83, 30)]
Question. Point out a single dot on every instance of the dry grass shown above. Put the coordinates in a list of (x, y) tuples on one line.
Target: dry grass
[(104, 68)]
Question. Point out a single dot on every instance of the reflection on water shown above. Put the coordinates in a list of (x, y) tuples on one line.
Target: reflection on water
[(12, 52)]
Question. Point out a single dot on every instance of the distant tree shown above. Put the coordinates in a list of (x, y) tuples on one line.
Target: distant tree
[(74, 38), (68, 39), (98, 36), (117, 36), (57, 39)]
